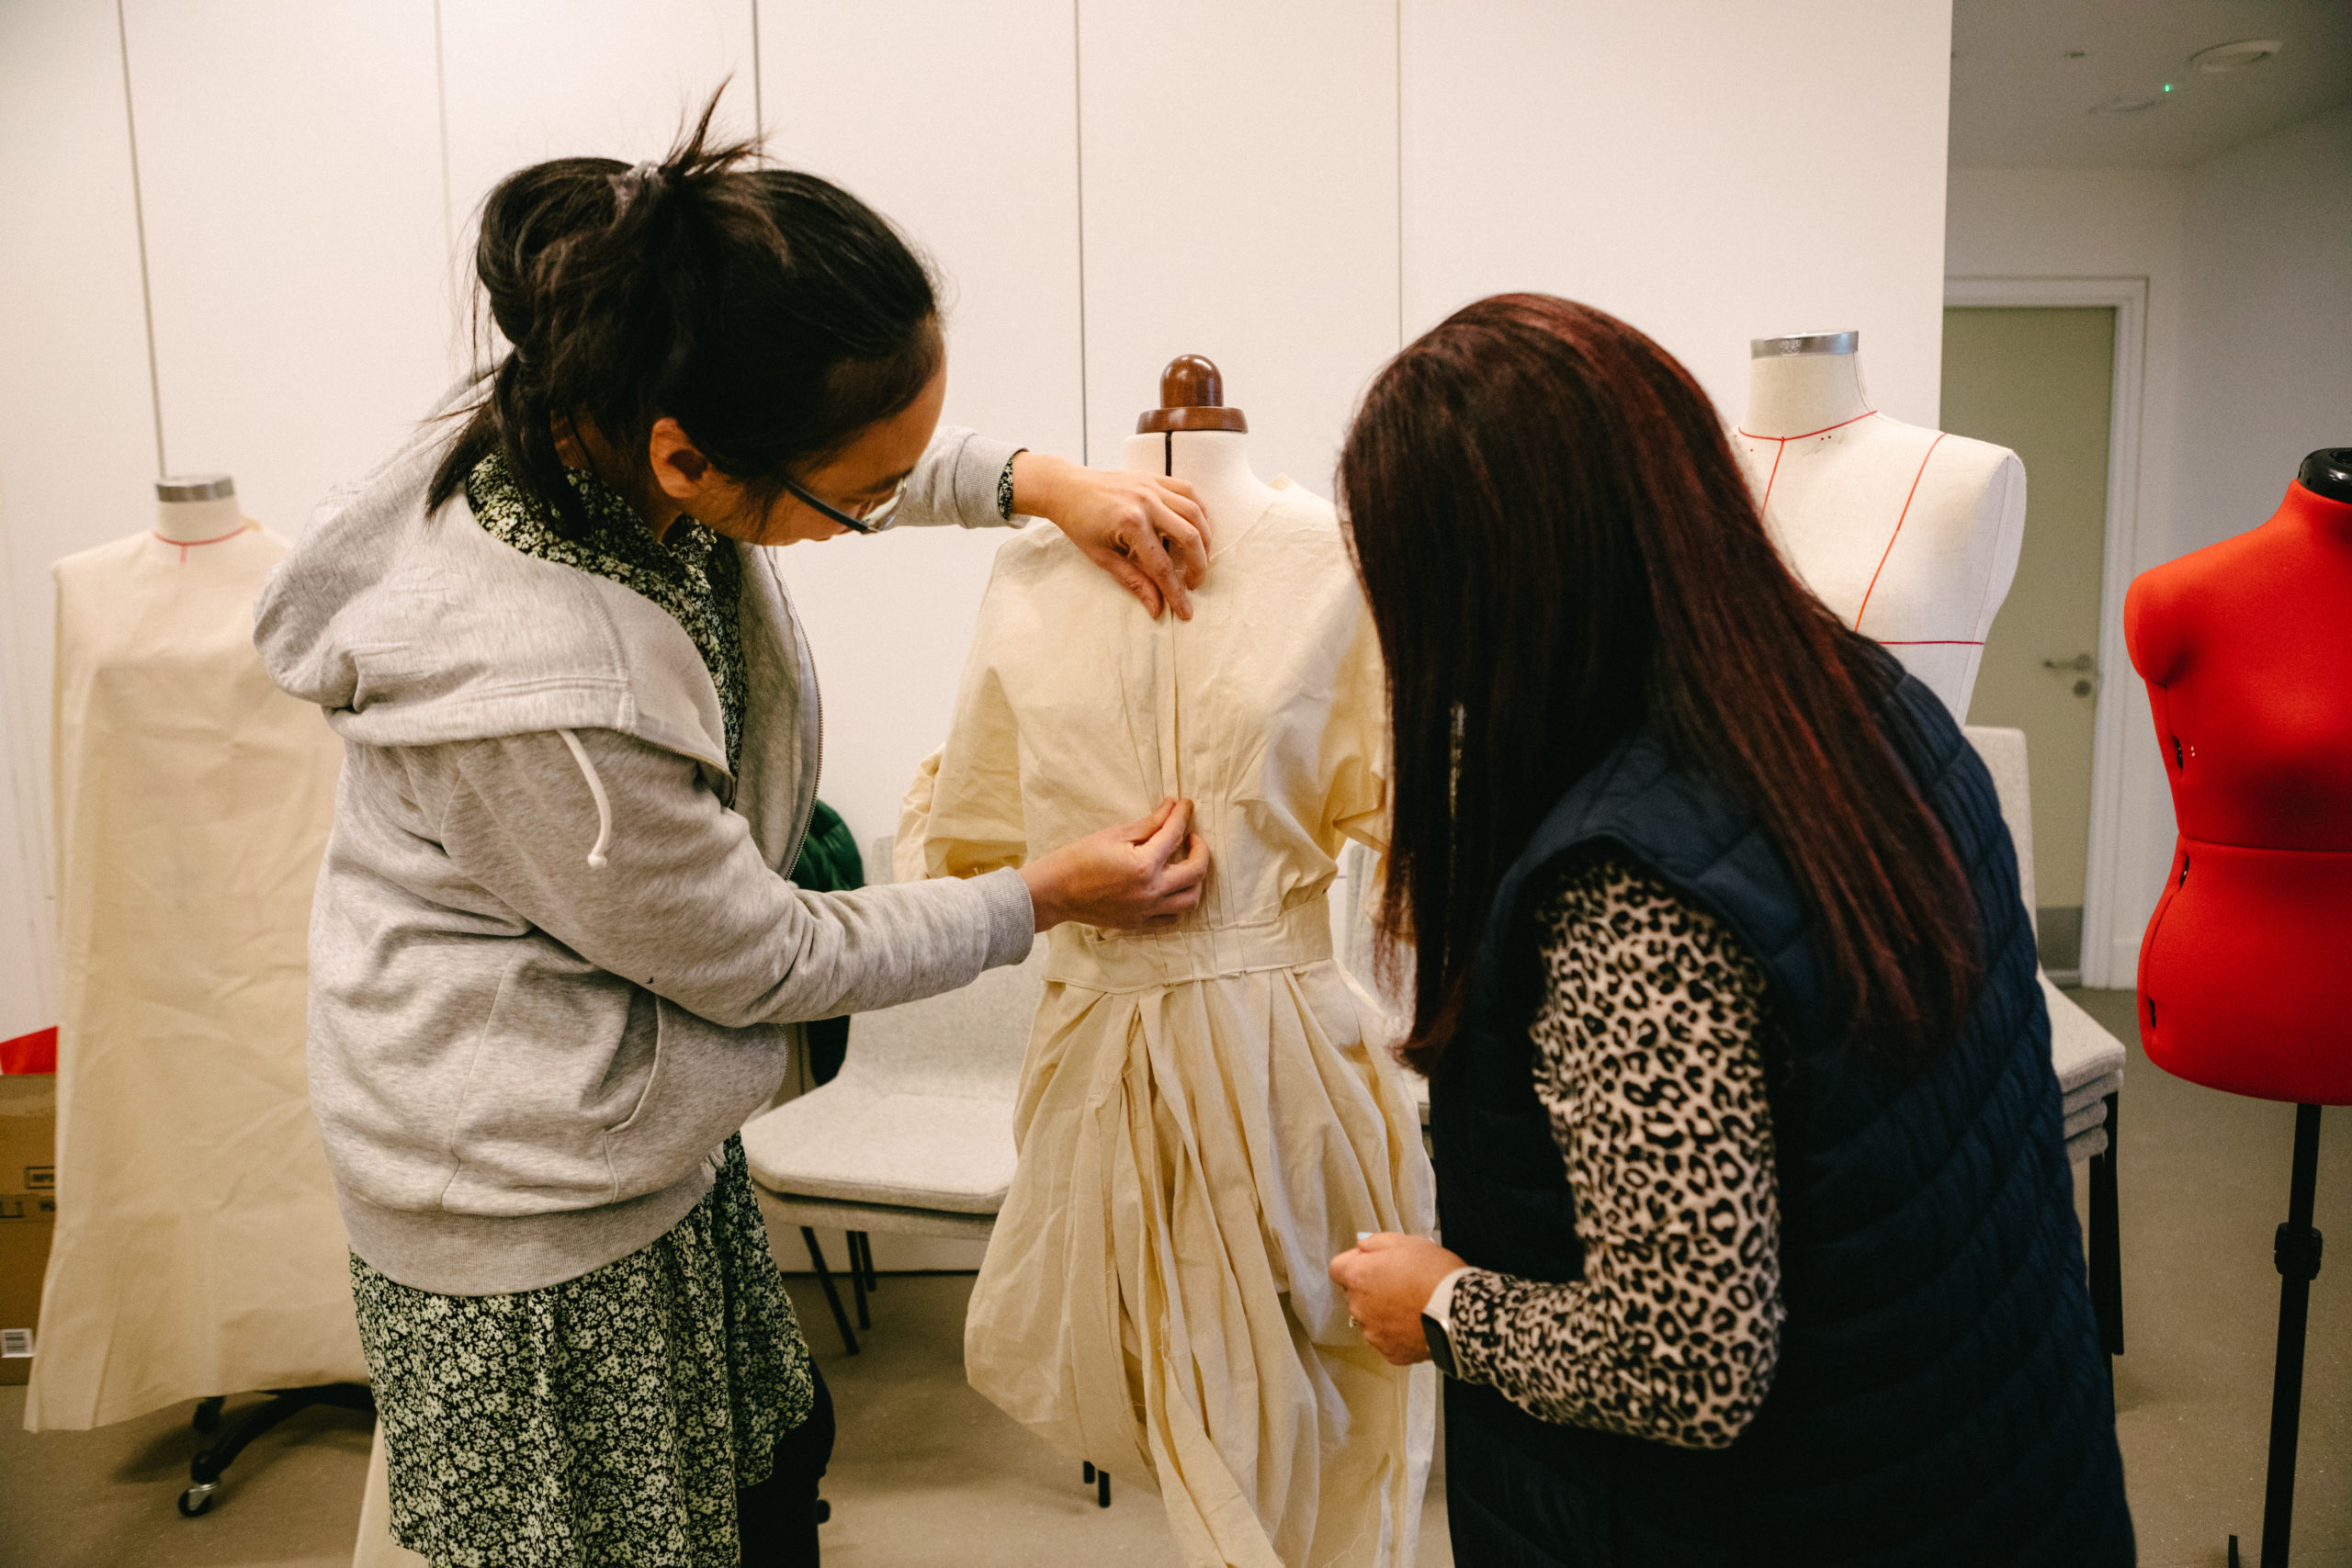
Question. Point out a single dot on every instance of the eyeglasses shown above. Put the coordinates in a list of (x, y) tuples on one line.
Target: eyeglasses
[(871, 519)]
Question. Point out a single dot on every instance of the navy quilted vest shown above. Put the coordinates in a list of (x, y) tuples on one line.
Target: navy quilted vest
[(1941, 1397)]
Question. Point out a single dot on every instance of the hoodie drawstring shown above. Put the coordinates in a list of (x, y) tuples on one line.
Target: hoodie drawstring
[(596, 788)]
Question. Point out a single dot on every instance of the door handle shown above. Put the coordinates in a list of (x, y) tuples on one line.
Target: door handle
[(2084, 667)]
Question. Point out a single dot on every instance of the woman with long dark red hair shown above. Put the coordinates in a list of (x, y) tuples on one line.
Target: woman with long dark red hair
[(1759, 1242)]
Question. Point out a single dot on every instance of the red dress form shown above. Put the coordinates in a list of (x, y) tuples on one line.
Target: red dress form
[(2245, 973)]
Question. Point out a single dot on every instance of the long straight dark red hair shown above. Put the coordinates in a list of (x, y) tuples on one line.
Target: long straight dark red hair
[(1559, 547)]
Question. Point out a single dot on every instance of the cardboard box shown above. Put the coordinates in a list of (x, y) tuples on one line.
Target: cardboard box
[(27, 1212), (28, 1132)]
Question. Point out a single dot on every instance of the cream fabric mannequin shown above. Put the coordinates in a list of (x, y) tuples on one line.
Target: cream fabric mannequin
[(1216, 463), (1206, 1116), (1911, 535), (199, 1250)]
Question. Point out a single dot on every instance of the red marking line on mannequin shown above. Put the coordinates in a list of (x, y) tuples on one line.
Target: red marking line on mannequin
[(1783, 447), (1907, 499), (184, 546)]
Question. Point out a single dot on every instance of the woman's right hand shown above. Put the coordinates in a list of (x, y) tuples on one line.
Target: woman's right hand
[(1141, 875)]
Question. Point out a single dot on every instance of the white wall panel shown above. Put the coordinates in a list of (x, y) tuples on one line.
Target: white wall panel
[(290, 166), (1709, 172), (530, 80), (1240, 170), (77, 434), (958, 122), (2266, 258)]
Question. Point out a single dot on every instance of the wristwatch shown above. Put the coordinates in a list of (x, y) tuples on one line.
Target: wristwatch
[(1437, 1319), (1441, 1347)]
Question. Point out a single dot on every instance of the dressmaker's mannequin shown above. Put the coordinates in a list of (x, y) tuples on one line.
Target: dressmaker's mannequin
[(196, 509), (1911, 535), (198, 1251), (2246, 647), (2242, 984), (1194, 438)]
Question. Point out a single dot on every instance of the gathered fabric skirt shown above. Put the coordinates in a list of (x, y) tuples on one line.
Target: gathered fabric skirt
[(1155, 1297), (610, 1419)]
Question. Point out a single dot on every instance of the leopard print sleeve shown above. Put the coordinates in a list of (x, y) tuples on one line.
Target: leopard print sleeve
[(1646, 1056)]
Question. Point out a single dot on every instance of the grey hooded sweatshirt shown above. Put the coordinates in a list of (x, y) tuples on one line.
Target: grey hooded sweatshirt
[(555, 961)]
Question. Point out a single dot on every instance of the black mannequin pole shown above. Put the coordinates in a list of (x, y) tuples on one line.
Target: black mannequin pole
[(2296, 1251)]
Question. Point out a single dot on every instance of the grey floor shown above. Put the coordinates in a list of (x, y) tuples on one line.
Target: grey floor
[(926, 1472)]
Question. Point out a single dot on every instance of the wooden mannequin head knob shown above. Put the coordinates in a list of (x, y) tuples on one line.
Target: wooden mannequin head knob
[(1192, 396)]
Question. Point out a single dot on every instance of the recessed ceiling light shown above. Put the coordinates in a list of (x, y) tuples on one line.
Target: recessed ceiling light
[(2238, 56), (2124, 106)]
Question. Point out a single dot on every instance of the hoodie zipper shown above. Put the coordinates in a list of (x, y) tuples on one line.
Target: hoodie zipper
[(816, 768), (807, 661)]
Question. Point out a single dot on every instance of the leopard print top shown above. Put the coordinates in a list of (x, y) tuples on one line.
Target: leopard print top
[(1647, 1057)]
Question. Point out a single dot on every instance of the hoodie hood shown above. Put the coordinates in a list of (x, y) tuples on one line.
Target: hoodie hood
[(413, 628)]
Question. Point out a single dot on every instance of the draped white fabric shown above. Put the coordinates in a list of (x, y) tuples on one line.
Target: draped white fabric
[(1207, 1114)]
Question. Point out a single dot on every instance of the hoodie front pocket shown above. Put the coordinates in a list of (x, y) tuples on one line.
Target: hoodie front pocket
[(568, 1051), (707, 1080)]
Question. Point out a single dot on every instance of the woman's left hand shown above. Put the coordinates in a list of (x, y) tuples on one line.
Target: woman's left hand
[(1388, 1278), (1146, 530)]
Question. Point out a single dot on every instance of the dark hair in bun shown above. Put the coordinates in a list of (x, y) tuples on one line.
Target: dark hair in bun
[(769, 312)]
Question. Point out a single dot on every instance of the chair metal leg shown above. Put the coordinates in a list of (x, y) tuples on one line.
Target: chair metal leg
[(2106, 1245), (857, 1285), (1101, 1488), (863, 1241), (825, 1280)]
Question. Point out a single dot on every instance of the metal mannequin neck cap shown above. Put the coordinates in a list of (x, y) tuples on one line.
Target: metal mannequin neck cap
[(1803, 343)]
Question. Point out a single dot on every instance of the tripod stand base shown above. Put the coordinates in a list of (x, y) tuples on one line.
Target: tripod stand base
[(2296, 1252), (205, 1470)]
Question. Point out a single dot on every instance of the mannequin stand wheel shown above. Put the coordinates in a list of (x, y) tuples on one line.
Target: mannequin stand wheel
[(2296, 1251), (204, 1471)]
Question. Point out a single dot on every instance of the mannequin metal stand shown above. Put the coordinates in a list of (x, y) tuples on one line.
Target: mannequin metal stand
[(2296, 1251), (204, 1470)]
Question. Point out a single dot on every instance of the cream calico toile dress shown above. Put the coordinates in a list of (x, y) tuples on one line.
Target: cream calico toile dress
[(199, 1248), (1202, 1122)]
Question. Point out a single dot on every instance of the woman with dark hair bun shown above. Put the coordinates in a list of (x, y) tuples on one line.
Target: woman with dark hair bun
[(556, 959), (1759, 1241)]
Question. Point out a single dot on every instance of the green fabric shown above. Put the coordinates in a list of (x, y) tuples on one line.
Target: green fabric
[(694, 574), (828, 863), (829, 859)]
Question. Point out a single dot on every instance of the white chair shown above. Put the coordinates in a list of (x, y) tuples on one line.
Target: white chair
[(2089, 1061), (914, 1137)]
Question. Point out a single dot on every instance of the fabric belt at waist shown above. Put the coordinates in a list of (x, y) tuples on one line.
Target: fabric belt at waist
[(1102, 960)]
